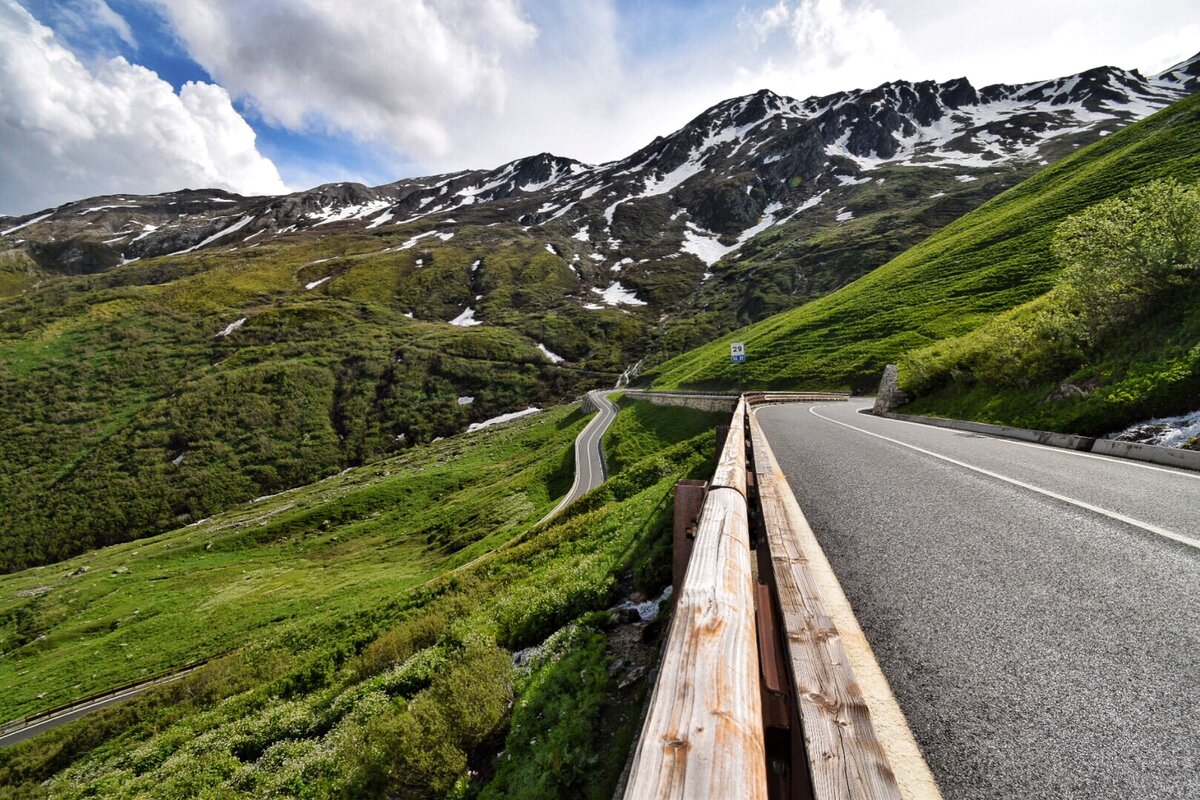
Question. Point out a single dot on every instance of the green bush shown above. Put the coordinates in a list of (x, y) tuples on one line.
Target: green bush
[(1129, 264)]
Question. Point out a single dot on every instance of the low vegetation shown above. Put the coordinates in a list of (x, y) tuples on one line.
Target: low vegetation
[(642, 429), (1113, 342), (136, 402), (390, 673)]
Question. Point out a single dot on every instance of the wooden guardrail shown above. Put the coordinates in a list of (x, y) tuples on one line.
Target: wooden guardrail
[(843, 753), (703, 735), (755, 696)]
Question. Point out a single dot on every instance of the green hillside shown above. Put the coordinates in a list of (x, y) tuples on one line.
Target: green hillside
[(989, 261), (372, 621), (127, 413)]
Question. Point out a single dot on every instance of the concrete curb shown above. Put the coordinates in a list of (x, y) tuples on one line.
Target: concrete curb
[(1166, 456)]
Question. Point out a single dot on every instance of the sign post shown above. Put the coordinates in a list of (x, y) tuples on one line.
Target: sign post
[(737, 354)]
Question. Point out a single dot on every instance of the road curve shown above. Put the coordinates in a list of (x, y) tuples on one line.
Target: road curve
[(589, 457), (50, 721), (589, 473), (1036, 610)]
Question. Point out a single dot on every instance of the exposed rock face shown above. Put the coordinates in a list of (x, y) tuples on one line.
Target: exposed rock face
[(687, 207), (890, 394)]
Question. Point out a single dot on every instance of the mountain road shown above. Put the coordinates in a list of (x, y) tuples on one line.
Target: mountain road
[(1035, 610), (589, 457)]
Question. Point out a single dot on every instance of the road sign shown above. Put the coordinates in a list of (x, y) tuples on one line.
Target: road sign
[(737, 352)]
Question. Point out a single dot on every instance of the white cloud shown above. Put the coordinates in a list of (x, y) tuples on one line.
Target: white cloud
[(70, 131), (406, 72), (825, 45), (88, 26), (102, 16), (424, 86)]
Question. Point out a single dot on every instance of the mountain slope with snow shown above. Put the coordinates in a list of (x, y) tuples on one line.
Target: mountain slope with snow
[(742, 168), (164, 356)]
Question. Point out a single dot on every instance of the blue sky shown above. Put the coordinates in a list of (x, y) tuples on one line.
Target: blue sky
[(299, 153), (106, 96)]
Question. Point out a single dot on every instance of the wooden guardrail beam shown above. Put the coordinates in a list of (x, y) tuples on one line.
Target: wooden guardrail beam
[(846, 758), (703, 734)]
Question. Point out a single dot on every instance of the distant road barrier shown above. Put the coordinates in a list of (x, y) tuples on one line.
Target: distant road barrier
[(756, 696), (718, 402), (67, 710)]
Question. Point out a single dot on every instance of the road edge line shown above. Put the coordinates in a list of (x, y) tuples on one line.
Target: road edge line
[(1148, 527), (900, 747)]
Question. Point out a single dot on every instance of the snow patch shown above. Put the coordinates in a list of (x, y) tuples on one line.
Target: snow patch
[(618, 295), (410, 243), (487, 423), (382, 218), (315, 284), (103, 208), (26, 224), (235, 227), (466, 319), (554, 357), (466, 400), (329, 214), (231, 327), (705, 245)]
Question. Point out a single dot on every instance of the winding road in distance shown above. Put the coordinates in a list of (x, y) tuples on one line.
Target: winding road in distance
[(1036, 610), (589, 458), (589, 473)]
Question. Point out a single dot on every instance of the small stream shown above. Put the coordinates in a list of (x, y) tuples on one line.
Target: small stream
[(1162, 431)]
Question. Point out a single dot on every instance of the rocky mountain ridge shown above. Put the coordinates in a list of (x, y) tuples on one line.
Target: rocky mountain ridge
[(744, 166), (164, 356)]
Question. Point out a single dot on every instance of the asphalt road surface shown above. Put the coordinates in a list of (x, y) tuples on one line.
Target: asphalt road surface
[(51, 721), (1036, 610), (589, 459)]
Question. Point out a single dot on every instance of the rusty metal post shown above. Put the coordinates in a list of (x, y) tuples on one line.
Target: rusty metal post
[(776, 699), (722, 435), (689, 499)]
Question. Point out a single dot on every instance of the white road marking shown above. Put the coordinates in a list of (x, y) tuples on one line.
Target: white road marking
[(585, 444), (1146, 526), (1125, 462)]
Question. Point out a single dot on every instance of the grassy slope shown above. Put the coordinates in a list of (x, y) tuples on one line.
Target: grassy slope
[(378, 688), (987, 262), (1151, 370), (109, 378), (317, 552), (642, 429)]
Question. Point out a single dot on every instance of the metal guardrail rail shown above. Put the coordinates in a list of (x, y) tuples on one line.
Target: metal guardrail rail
[(42, 717), (755, 696)]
